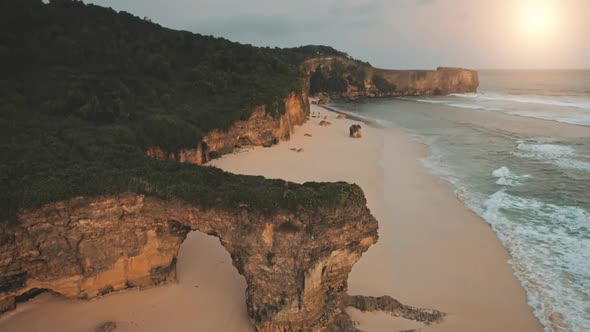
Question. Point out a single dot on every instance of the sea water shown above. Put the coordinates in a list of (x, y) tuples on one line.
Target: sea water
[(533, 190)]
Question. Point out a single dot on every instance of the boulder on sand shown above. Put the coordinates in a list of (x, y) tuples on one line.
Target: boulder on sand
[(325, 123), (356, 131)]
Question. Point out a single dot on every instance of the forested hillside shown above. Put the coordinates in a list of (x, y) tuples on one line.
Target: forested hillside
[(84, 90)]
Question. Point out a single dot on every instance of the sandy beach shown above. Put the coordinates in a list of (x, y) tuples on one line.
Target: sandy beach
[(432, 252), (209, 296)]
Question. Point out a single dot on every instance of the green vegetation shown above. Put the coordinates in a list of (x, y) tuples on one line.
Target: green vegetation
[(311, 51), (337, 78), (84, 90), (382, 84), (270, 258)]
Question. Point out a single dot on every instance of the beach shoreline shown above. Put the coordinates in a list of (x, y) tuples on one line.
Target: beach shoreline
[(433, 252)]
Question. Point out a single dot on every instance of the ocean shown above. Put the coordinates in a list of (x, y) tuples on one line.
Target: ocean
[(531, 185)]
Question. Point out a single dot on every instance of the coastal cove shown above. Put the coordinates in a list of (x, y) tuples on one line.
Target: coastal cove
[(155, 179), (528, 181), (441, 257), (432, 251)]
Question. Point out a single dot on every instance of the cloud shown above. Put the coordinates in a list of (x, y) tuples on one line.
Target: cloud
[(387, 33)]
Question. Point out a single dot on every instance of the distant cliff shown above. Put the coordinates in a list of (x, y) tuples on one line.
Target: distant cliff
[(340, 77), (343, 77)]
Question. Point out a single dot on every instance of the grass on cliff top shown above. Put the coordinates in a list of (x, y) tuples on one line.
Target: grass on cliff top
[(85, 90), (69, 158)]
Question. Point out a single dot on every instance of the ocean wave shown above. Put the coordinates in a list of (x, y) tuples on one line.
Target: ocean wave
[(479, 101), (539, 100), (455, 104), (577, 119), (429, 101), (560, 155), (507, 178), (547, 242), (475, 107)]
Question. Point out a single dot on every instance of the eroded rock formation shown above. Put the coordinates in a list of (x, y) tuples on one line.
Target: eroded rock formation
[(442, 81), (260, 129), (394, 308), (296, 262)]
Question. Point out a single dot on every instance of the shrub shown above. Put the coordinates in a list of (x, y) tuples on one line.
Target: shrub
[(382, 84)]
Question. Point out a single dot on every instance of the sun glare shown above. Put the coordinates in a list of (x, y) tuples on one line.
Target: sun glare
[(538, 20), (536, 17)]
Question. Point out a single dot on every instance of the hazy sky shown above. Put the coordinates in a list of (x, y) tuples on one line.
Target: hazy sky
[(395, 33)]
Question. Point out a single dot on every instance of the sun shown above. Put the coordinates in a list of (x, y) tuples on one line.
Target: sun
[(537, 19)]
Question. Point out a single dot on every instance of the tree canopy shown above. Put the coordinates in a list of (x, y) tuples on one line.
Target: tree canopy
[(85, 89)]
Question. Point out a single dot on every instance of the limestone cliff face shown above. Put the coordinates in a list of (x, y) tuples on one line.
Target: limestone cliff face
[(260, 129), (442, 81), (295, 262)]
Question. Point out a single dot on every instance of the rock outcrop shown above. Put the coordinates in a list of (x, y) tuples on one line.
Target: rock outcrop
[(442, 81), (260, 129), (296, 262), (393, 307), (356, 131)]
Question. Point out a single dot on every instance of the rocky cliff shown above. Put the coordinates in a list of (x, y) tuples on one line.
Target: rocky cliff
[(358, 79), (260, 129), (295, 262), (442, 81)]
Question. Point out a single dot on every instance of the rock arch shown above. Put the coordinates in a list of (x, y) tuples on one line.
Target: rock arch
[(296, 274)]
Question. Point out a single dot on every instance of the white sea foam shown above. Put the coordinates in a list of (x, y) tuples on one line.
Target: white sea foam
[(507, 178), (546, 242), (429, 101), (560, 155), (572, 111), (454, 103), (547, 245), (577, 119), (523, 99)]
